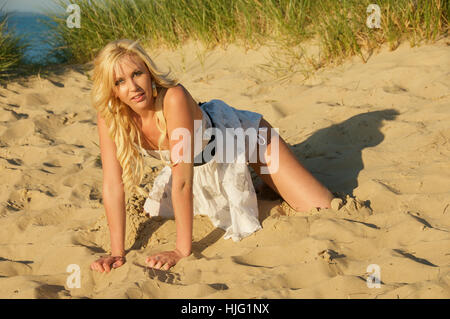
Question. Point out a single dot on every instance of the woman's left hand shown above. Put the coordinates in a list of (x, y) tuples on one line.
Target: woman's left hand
[(164, 260)]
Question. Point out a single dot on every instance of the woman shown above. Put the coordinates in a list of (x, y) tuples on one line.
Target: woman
[(142, 111)]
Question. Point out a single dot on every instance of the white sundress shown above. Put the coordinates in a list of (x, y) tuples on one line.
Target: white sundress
[(222, 191)]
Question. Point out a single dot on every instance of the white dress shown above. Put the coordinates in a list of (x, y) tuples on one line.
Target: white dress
[(222, 191)]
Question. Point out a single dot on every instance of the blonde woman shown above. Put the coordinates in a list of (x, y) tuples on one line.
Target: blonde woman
[(142, 111)]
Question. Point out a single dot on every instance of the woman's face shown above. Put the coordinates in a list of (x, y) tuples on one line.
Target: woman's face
[(133, 83)]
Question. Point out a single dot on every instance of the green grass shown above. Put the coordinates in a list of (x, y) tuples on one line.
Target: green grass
[(171, 23), (338, 26), (11, 51)]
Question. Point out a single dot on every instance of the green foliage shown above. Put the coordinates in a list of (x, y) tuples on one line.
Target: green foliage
[(340, 25), (11, 51)]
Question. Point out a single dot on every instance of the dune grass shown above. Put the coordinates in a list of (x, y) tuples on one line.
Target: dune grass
[(338, 26), (171, 23), (11, 50)]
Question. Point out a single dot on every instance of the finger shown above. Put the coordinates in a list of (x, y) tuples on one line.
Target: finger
[(97, 267), (166, 266), (118, 263), (171, 263), (158, 265), (152, 260), (99, 262), (94, 265), (106, 266)]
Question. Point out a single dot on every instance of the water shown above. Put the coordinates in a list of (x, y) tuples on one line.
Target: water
[(35, 33)]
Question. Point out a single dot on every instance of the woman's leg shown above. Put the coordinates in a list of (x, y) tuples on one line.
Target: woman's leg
[(289, 178)]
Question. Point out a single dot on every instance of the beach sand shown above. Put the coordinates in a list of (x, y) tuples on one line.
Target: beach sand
[(375, 133)]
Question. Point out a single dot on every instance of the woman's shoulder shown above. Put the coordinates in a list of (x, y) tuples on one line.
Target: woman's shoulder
[(176, 94), (177, 98)]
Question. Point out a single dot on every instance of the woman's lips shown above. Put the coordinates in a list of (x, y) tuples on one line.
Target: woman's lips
[(139, 98)]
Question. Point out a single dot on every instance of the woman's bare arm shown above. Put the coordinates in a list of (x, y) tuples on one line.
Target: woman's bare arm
[(179, 114), (113, 189)]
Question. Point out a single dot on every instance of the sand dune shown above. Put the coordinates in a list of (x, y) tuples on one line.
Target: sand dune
[(378, 134)]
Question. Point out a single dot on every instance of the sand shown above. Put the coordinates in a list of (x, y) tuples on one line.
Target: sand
[(377, 134)]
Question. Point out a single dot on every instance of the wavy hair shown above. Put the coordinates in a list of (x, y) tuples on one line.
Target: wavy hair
[(117, 115)]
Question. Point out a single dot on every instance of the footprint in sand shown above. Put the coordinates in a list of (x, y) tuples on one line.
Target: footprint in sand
[(35, 99), (87, 240), (218, 286), (54, 163), (14, 206), (46, 291), (18, 200), (330, 257), (22, 198), (9, 115), (98, 162), (395, 89), (49, 125), (81, 192), (95, 193), (69, 118), (164, 276), (13, 161), (10, 268), (49, 216), (70, 181), (18, 133)]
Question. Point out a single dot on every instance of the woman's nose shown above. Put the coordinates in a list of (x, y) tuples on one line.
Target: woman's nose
[(133, 86)]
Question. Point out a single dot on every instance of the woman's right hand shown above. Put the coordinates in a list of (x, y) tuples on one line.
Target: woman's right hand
[(107, 262)]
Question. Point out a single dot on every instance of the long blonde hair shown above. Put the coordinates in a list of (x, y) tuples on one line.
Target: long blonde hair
[(117, 115)]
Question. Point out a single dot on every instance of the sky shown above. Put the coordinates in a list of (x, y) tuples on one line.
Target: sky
[(27, 5)]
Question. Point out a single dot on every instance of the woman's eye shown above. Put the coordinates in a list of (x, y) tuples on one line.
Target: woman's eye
[(137, 73)]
